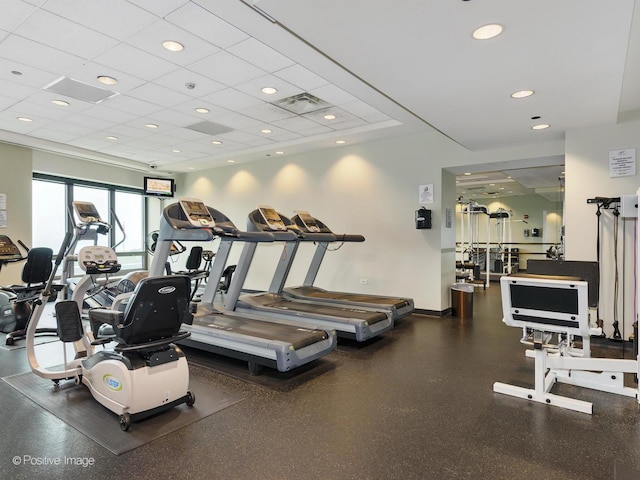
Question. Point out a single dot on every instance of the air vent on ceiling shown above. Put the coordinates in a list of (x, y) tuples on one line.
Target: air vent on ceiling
[(302, 103), (210, 128), (79, 90)]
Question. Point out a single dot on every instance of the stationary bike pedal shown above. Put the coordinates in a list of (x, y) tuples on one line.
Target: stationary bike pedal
[(69, 321)]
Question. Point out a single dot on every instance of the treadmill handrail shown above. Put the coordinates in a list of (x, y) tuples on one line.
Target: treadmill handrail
[(318, 237), (348, 237)]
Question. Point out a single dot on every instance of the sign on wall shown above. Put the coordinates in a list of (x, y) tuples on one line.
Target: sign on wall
[(622, 163)]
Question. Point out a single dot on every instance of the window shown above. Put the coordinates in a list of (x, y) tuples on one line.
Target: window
[(52, 212)]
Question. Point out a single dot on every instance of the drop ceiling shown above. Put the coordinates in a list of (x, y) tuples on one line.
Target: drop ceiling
[(383, 69)]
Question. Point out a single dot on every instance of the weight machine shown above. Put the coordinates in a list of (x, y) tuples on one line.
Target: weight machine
[(470, 213)]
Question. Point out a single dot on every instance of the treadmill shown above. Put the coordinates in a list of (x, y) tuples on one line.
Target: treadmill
[(246, 337), (354, 322), (398, 306)]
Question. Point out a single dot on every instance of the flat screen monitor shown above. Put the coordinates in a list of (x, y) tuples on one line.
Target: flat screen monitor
[(159, 187)]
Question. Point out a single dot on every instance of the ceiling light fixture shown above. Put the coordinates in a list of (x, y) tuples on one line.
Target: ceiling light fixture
[(175, 150), (522, 94), (202, 110), (329, 116), (231, 161), (25, 119), (216, 142), (487, 31), (60, 103), (151, 125), (111, 137), (269, 90), (107, 80), (341, 142), (172, 46), (265, 130), (467, 173), (542, 126), (279, 152)]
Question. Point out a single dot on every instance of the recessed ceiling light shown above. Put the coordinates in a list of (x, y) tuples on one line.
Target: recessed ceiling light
[(542, 126), (329, 116), (492, 184), (269, 90), (487, 31), (191, 168), (216, 142), (25, 119), (172, 46), (111, 137), (151, 125), (202, 110), (265, 130), (467, 173), (501, 188), (279, 152), (107, 80), (341, 142), (175, 150), (522, 94), (231, 161), (60, 103)]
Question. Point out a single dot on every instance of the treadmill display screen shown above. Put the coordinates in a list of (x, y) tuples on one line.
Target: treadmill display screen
[(308, 221), (197, 212), (272, 218)]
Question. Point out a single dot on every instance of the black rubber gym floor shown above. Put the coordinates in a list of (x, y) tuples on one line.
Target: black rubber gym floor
[(415, 404)]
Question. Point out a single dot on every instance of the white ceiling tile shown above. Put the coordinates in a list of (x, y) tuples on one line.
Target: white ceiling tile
[(117, 18), (86, 121), (203, 23), (257, 53), (226, 68), (9, 123), (320, 129), (266, 112), (178, 79), (132, 131), (285, 136), (245, 138), (40, 56), (3, 35), (236, 120), (150, 40), (111, 115), (16, 90), (132, 105), (160, 8), (42, 110), (135, 61), (14, 12), (296, 124), (71, 129), (302, 77), (191, 135), (174, 118), (341, 116), (54, 135), (31, 77), (333, 95), (232, 99), (57, 32), (91, 142), (152, 93), (359, 109), (46, 98), (355, 122), (6, 102), (254, 88)]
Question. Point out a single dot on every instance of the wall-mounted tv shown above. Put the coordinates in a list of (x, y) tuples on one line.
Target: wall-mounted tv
[(159, 187)]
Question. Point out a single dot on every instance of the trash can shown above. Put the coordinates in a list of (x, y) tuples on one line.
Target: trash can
[(462, 300)]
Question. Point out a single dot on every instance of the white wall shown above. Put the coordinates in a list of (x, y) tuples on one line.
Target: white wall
[(587, 176), (367, 188)]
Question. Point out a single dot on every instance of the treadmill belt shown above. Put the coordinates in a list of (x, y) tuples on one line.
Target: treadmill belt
[(339, 313), (351, 297), (298, 337)]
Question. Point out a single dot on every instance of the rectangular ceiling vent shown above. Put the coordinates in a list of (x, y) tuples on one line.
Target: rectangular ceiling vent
[(79, 90), (210, 128), (302, 103)]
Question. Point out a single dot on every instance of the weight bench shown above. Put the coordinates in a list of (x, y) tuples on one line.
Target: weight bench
[(545, 306)]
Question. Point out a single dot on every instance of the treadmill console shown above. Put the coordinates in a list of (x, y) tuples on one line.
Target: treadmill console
[(95, 260), (197, 212), (272, 219), (308, 221), (86, 212)]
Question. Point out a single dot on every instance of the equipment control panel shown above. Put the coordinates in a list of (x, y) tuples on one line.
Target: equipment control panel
[(197, 212), (96, 260), (271, 218), (8, 250), (86, 212), (308, 221)]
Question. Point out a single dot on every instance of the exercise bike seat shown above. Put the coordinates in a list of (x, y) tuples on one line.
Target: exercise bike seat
[(153, 316)]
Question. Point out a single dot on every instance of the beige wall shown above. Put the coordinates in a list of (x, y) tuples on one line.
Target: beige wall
[(15, 182)]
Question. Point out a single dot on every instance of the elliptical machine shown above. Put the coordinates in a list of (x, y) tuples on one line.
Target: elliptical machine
[(145, 373), (16, 300)]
